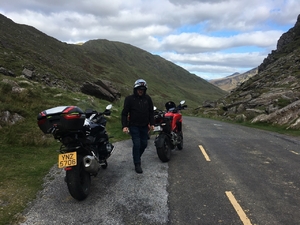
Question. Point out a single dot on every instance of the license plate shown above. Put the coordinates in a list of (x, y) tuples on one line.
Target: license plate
[(157, 128), (67, 159)]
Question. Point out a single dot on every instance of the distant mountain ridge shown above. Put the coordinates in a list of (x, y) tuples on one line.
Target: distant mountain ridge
[(231, 82), (273, 95), (83, 67)]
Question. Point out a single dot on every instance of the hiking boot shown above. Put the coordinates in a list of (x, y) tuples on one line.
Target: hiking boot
[(138, 168)]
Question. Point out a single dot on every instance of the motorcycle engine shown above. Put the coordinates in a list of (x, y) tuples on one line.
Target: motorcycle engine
[(105, 149), (174, 138)]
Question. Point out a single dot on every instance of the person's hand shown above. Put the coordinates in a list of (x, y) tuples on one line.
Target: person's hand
[(125, 130)]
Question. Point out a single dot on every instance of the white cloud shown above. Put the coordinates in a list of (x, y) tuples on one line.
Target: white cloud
[(221, 59), (194, 42), (217, 64)]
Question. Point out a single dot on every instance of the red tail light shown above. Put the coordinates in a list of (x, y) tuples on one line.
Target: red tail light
[(42, 121), (72, 116)]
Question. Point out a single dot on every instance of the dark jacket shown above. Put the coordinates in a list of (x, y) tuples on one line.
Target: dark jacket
[(137, 111)]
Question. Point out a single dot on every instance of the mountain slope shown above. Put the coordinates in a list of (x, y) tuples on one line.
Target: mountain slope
[(68, 66), (231, 82), (271, 96)]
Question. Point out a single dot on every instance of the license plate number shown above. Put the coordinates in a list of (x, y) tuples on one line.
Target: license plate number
[(67, 159), (157, 128)]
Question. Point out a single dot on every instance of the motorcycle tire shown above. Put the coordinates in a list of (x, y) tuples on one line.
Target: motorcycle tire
[(78, 180), (180, 137), (164, 151)]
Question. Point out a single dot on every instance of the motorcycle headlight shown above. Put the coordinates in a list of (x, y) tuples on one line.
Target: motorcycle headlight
[(109, 147)]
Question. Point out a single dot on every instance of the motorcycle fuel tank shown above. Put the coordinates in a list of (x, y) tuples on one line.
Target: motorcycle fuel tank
[(175, 117)]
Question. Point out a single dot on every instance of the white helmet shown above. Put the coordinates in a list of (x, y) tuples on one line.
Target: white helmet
[(140, 83)]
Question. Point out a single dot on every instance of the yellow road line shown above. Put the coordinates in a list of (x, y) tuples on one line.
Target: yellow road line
[(204, 153), (296, 153), (238, 208)]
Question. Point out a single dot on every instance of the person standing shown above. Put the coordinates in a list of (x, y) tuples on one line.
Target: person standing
[(136, 115)]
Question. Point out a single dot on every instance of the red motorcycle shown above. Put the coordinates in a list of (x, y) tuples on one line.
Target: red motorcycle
[(168, 129)]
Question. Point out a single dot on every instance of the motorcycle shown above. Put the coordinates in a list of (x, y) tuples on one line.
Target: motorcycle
[(168, 129), (85, 145)]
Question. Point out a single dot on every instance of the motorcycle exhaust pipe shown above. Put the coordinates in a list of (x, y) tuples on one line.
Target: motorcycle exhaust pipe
[(90, 163)]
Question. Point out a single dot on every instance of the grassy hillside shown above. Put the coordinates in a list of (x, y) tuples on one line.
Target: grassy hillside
[(70, 65)]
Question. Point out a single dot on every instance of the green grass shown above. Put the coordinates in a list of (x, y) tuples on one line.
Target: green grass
[(22, 171)]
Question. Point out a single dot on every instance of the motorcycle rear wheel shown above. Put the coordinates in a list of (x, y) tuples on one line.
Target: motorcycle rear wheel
[(78, 180), (164, 152)]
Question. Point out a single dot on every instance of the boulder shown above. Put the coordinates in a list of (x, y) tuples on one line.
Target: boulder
[(100, 90)]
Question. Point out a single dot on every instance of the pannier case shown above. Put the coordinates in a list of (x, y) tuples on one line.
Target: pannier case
[(63, 117)]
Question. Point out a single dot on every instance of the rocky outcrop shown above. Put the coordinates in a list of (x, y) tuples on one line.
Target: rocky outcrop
[(273, 95), (101, 89), (286, 44), (6, 72), (107, 85), (15, 86), (9, 118), (287, 115)]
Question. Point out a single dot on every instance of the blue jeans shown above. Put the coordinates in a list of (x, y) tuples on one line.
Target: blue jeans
[(139, 136)]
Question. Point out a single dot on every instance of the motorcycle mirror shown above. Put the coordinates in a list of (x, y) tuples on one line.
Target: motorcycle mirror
[(182, 102), (107, 112), (109, 107)]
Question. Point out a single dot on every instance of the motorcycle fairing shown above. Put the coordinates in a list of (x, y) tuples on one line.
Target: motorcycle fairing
[(176, 117)]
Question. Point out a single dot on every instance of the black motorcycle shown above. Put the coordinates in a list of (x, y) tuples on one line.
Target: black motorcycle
[(85, 145)]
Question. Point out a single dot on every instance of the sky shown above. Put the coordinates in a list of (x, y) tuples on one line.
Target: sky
[(210, 38)]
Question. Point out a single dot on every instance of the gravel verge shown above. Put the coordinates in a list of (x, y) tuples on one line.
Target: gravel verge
[(118, 195)]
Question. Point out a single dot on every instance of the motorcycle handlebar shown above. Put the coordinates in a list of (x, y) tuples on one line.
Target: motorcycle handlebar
[(107, 111), (180, 107)]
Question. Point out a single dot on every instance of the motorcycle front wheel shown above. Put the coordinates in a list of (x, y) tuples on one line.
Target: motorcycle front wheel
[(180, 139), (78, 180), (163, 150)]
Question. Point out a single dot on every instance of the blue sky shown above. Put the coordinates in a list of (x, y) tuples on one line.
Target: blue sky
[(210, 38)]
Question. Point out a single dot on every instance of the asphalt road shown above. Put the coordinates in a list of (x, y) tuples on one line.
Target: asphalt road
[(225, 174)]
